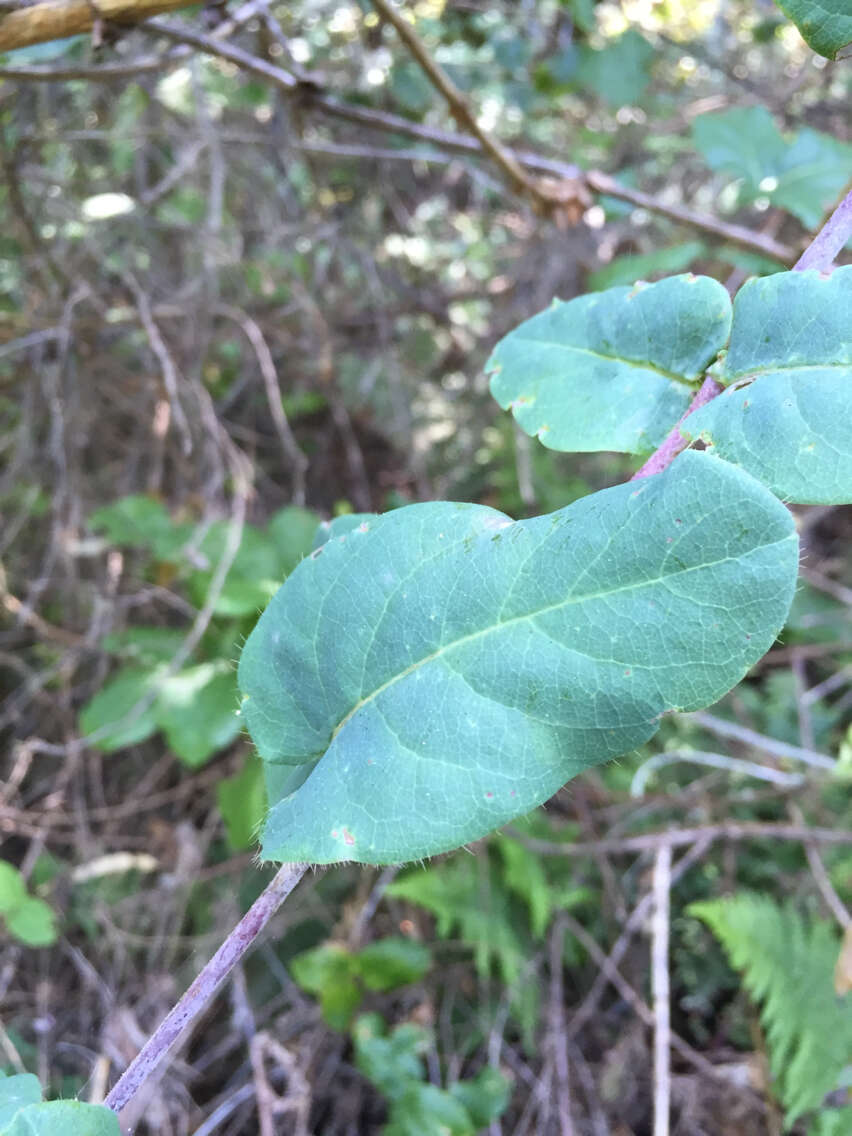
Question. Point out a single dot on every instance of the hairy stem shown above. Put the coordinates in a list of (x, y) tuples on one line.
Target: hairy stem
[(205, 985)]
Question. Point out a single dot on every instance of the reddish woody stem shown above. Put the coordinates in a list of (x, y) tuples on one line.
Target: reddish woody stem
[(675, 441)]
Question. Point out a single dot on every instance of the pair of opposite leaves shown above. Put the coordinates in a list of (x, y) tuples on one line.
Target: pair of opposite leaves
[(430, 674)]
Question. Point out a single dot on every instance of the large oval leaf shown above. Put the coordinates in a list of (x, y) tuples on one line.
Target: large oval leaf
[(786, 416), (612, 370), (442, 670)]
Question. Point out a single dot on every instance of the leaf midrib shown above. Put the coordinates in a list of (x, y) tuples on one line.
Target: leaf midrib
[(672, 376), (446, 647)]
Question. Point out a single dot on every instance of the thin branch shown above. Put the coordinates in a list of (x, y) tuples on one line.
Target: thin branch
[(752, 738), (199, 994), (830, 240), (660, 987), (675, 838), (675, 441), (714, 761), (56, 19), (467, 144), (458, 104)]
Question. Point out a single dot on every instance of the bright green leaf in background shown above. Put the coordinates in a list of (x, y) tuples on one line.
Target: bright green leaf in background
[(826, 25), (196, 708), (26, 917), (804, 175), (642, 266), (141, 521), (612, 370), (787, 966), (447, 670), (242, 803), (786, 415)]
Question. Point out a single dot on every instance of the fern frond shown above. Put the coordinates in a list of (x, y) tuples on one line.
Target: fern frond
[(787, 966)]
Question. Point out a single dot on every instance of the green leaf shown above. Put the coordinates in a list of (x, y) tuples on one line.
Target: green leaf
[(523, 873), (15, 1093), (468, 897), (242, 803), (742, 141), (329, 971), (787, 967), (484, 1096), (447, 670), (642, 266), (389, 963), (292, 531), (70, 1118), (619, 72), (32, 921), (612, 370), (804, 175), (13, 890), (147, 646), (113, 702), (340, 526), (826, 25), (257, 570), (391, 1062), (787, 419), (197, 709), (141, 522), (426, 1110)]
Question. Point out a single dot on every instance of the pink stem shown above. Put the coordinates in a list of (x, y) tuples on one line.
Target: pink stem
[(675, 441)]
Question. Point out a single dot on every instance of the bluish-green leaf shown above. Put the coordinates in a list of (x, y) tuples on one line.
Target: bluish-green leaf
[(68, 1118), (826, 25), (448, 669), (340, 526), (619, 72), (612, 370), (15, 1093), (786, 415), (804, 174)]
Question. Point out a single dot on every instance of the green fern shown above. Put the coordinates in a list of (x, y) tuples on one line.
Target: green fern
[(787, 966)]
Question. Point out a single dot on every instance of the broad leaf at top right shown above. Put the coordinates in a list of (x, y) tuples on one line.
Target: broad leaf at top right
[(826, 25), (786, 417)]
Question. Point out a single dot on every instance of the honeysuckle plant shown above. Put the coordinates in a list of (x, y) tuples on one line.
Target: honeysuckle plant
[(426, 676)]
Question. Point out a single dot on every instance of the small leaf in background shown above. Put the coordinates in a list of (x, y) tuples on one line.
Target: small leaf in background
[(611, 370), (826, 25), (804, 175), (256, 571), (147, 646), (292, 530), (619, 72), (788, 425), (523, 873), (391, 1061), (141, 522), (426, 1110), (197, 710), (485, 1096), (389, 963), (113, 702), (329, 971), (643, 266), (242, 803), (396, 697), (13, 890), (32, 921)]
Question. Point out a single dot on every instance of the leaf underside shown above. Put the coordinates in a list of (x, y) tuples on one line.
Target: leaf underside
[(441, 670)]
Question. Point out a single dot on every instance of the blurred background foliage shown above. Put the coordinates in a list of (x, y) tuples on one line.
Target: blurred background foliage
[(231, 308)]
